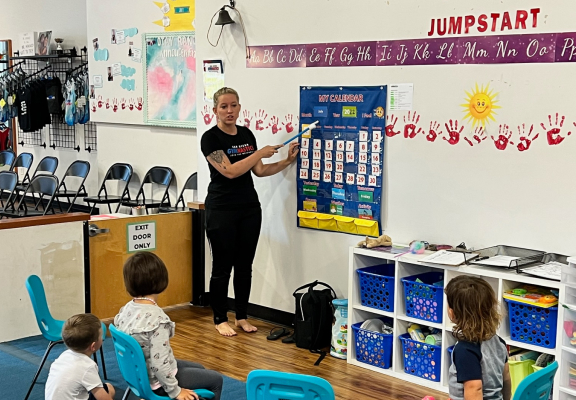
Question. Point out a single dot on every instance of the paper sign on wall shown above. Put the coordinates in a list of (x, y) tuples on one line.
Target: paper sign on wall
[(400, 97), (27, 43), (141, 236)]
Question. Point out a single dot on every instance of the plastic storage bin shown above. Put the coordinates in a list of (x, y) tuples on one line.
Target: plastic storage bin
[(450, 350), (377, 286), (520, 370), (421, 359), (424, 300), (532, 324), (373, 348)]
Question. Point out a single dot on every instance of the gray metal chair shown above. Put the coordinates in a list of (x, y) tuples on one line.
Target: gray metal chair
[(161, 176), (78, 169), (45, 186), (24, 160), (117, 172), (7, 158), (191, 184), (8, 182)]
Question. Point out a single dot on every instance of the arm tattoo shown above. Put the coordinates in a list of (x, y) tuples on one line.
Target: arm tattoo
[(218, 157)]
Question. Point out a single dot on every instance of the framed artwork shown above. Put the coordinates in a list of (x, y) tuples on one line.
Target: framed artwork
[(170, 79), (43, 43)]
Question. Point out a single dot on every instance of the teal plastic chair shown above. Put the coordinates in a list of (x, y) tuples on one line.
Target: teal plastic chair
[(133, 368), (51, 328), (538, 385), (274, 385)]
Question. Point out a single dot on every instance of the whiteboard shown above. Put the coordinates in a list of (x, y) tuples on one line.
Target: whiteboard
[(117, 67)]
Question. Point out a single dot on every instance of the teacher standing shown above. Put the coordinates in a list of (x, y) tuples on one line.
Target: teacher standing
[(233, 213)]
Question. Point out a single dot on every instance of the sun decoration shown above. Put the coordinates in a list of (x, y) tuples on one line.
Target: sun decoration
[(480, 105)]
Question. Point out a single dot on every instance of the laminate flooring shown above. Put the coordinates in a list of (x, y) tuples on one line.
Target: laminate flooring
[(196, 339)]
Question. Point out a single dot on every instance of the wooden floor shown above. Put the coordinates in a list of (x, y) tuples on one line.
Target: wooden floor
[(196, 339)]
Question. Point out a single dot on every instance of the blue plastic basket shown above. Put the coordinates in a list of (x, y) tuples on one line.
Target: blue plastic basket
[(373, 348), (421, 359), (424, 300), (532, 324), (377, 286)]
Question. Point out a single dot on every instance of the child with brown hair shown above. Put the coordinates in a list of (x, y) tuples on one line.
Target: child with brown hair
[(74, 375), (145, 277), (479, 367)]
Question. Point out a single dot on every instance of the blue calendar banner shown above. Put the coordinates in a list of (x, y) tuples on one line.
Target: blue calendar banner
[(340, 163)]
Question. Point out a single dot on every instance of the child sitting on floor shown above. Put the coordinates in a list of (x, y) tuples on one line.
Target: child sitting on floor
[(479, 367), (145, 277), (74, 375)]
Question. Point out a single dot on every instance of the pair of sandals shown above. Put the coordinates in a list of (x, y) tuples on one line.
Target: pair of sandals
[(278, 332)]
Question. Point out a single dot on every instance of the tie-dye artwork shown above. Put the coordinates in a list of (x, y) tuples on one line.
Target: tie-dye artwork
[(170, 79)]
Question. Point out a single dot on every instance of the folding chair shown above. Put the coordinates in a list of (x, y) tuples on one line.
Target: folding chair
[(8, 182), (46, 166), (78, 169), (118, 172), (43, 185), (191, 184), (161, 176), (7, 158), (24, 160)]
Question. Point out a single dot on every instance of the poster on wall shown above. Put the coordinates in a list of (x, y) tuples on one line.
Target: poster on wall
[(340, 162), (170, 79)]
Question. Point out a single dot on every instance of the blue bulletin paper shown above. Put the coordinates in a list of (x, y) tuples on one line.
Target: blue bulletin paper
[(340, 165)]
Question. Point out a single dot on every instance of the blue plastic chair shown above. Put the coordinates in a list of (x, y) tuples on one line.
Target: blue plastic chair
[(538, 385), (273, 385), (133, 368), (51, 328)]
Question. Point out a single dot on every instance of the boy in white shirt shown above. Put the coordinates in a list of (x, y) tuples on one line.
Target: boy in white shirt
[(74, 375)]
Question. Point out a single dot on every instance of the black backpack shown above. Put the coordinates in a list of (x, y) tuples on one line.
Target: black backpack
[(313, 319)]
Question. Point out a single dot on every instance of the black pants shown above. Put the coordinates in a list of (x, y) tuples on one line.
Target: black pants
[(233, 237)]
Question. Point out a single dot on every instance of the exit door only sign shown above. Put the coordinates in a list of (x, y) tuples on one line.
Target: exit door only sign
[(141, 236)]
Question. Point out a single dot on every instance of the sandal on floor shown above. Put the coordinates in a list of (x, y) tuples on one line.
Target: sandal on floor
[(289, 339), (277, 333)]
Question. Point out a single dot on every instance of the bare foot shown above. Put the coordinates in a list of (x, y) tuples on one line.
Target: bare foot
[(225, 330), (247, 326)]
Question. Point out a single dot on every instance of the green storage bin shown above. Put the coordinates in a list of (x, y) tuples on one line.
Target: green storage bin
[(520, 370)]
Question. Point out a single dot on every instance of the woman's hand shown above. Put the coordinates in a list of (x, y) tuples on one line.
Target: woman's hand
[(269, 151), (293, 152)]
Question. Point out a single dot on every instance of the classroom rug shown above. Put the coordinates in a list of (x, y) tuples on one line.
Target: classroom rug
[(19, 360)]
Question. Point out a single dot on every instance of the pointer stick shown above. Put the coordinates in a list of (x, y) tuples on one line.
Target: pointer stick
[(311, 126)]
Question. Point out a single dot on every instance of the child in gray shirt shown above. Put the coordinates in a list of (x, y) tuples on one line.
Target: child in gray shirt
[(479, 367)]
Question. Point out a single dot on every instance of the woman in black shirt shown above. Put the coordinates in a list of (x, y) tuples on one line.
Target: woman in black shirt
[(233, 213)]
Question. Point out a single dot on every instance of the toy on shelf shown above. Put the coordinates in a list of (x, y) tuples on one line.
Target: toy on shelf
[(570, 330), (533, 295), (369, 243)]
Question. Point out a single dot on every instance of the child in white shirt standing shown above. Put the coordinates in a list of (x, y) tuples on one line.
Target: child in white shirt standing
[(74, 375)]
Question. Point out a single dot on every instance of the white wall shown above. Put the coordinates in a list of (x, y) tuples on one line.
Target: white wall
[(56, 254), (434, 191)]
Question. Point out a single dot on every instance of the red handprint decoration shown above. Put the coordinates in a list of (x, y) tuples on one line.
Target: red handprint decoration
[(453, 132), (391, 124), (274, 121), (504, 135), (553, 132), (288, 123), (207, 115), (526, 139), (478, 136), (261, 119), (434, 131), (410, 129)]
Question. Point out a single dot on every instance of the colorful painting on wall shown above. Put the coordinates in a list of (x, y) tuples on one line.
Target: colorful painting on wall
[(170, 79)]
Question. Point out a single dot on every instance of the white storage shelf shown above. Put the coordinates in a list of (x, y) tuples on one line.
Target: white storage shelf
[(499, 278)]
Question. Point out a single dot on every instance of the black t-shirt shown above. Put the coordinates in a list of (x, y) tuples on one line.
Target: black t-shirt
[(225, 192)]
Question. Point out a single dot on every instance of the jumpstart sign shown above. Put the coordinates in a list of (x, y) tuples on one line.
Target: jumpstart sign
[(141, 236)]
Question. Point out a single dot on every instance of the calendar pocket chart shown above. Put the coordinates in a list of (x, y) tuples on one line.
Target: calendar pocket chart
[(339, 177)]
